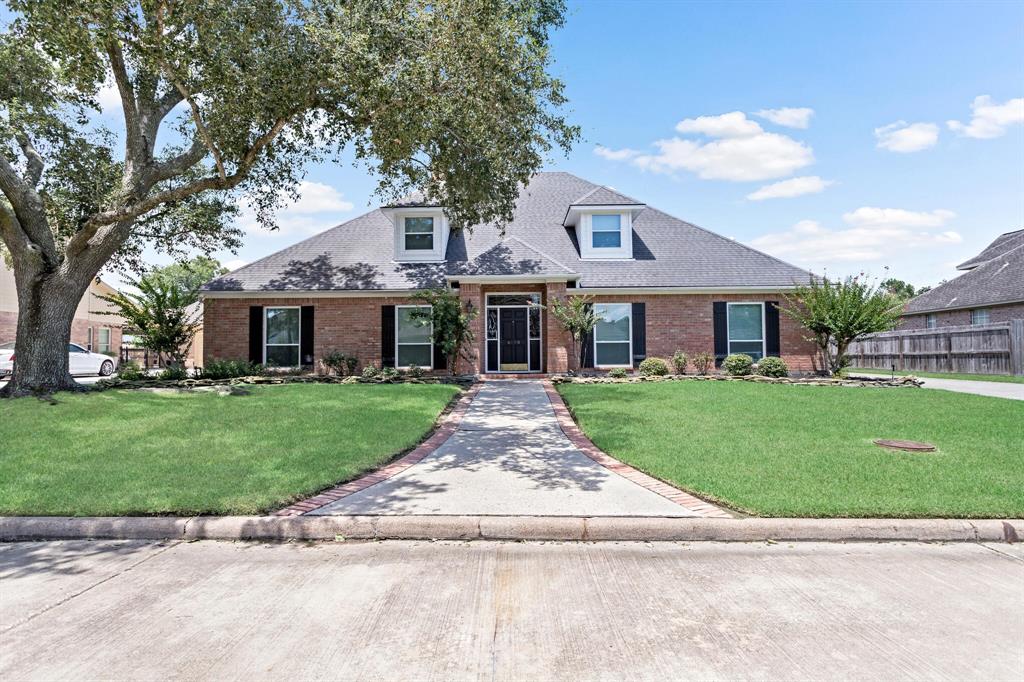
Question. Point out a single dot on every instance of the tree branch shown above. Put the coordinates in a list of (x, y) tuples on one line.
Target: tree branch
[(180, 163), (133, 132), (198, 119), (35, 160), (28, 210)]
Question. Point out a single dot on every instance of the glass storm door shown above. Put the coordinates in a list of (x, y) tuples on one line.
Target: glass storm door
[(513, 340)]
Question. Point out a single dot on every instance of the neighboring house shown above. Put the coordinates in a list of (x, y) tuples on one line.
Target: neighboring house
[(659, 285), (90, 329), (992, 290)]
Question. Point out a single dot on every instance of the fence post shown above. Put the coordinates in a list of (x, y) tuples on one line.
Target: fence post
[(949, 351), (1017, 347), (899, 342)]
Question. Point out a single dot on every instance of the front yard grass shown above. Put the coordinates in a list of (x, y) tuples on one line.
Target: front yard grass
[(132, 452), (998, 378), (786, 450)]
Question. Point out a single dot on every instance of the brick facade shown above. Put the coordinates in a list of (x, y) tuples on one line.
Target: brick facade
[(79, 331), (950, 318), (352, 325)]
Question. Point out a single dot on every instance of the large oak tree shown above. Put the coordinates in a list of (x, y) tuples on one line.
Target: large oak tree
[(222, 99)]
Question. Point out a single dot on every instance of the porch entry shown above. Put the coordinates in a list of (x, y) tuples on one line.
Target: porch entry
[(513, 333)]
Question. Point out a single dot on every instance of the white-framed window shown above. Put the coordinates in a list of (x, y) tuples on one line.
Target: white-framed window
[(931, 321), (282, 331), (104, 339), (613, 335), (746, 329), (606, 235), (413, 338), (979, 316), (418, 233)]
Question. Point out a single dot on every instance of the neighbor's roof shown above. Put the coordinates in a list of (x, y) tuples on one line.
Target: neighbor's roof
[(997, 280), (667, 252), (1002, 244)]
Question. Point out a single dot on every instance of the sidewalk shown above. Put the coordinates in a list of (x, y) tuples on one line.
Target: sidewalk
[(992, 389)]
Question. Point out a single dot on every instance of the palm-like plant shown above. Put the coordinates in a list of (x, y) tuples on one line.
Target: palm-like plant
[(577, 317)]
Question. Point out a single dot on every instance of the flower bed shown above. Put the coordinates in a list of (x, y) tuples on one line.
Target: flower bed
[(896, 382)]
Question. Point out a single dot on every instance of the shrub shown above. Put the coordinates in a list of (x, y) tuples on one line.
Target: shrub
[(415, 372), (229, 369), (772, 367), (174, 373), (389, 373), (738, 364), (703, 362), (617, 373), (653, 367), (339, 363), (130, 371), (679, 361), (371, 371)]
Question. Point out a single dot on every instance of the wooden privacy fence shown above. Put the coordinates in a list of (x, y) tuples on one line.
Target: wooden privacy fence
[(996, 348)]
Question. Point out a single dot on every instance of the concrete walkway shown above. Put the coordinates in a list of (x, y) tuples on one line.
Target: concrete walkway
[(457, 611), (994, 389), (508, 457)]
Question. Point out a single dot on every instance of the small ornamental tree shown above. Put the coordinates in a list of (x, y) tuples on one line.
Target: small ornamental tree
[(163, 314), (837, 313), (453, 323), (576, 315)]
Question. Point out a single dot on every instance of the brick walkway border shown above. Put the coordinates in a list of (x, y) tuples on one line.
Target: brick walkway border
[(449, 424), (584, 445)]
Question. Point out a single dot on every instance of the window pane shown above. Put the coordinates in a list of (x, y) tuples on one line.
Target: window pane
[(745, 321), (751, 348), (613, 354), (614, 323), (606, 223), (282, 356), (419, 242), (411, 330), (607, 240), (413, 355), (492, 323), (513, 299), (419, 225), (979, 317), (534, 323), (282, 325)]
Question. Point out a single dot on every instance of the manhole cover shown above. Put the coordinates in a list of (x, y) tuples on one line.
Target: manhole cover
[(909, 445)]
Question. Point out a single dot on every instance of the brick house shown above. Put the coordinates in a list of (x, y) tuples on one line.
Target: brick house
[(659, 285), (91, 328), (990, 290)]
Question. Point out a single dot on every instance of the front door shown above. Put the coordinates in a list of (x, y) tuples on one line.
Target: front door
[(512, 340)]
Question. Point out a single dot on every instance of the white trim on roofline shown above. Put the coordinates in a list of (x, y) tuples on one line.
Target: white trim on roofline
[(679, 290), (512, 279), (341, 293), (989, 304)]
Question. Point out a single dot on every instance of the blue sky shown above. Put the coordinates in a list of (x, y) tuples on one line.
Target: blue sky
[(888, 181)]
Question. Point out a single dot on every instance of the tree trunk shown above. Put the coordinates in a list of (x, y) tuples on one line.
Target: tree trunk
[(46, 309)]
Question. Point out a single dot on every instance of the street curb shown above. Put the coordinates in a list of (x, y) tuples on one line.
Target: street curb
[(16, 528)]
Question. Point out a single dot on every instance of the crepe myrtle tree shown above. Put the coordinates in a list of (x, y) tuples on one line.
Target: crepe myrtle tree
[(225, 100), (837, 312), (451, 321)]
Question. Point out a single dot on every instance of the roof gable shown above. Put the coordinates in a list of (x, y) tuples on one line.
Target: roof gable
[(1002, 244), (997, 280)]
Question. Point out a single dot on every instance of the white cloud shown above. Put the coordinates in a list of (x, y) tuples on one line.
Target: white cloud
[(733, 124), (312, 212), (234, 264), (794, 187), (871, 234), (615, 154), (907, 137), (790, 117), (739, 151), (989, 119)]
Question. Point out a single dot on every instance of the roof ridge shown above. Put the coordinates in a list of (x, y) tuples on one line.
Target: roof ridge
[(579, 200), (534, 248)]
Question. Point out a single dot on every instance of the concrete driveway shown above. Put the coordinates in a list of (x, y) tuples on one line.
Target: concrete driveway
[(994, 389), (510, 611), (508, 457)]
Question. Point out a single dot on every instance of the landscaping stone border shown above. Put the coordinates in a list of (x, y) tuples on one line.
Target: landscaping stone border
[(565, 528), (579, 439), (897, 382), (273, 380), (449, 423)]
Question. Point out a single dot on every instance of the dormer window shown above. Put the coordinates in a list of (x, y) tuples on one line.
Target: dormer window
[(419, 233), (603, 232), (606, 231)]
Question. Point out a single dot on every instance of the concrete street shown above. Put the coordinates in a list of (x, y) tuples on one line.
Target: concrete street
[(485, 610)]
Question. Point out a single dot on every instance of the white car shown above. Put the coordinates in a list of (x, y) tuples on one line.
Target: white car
[(80, 361)]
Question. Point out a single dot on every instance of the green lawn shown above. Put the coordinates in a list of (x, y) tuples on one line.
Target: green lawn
[(999, 378), (132, 452), (787, 450)]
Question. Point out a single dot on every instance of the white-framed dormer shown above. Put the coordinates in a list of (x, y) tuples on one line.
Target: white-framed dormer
[(421, 234), (604, 232)]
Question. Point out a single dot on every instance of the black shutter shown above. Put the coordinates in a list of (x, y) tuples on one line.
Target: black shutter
[(639, 333), (587, 361), (440, 361), (773, 346), (306, 336), (721, 332), (256, 334), (387, 336)]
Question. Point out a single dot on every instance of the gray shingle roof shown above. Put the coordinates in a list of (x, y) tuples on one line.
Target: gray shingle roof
[(1002, 244), (997, 280), (667, 252)]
